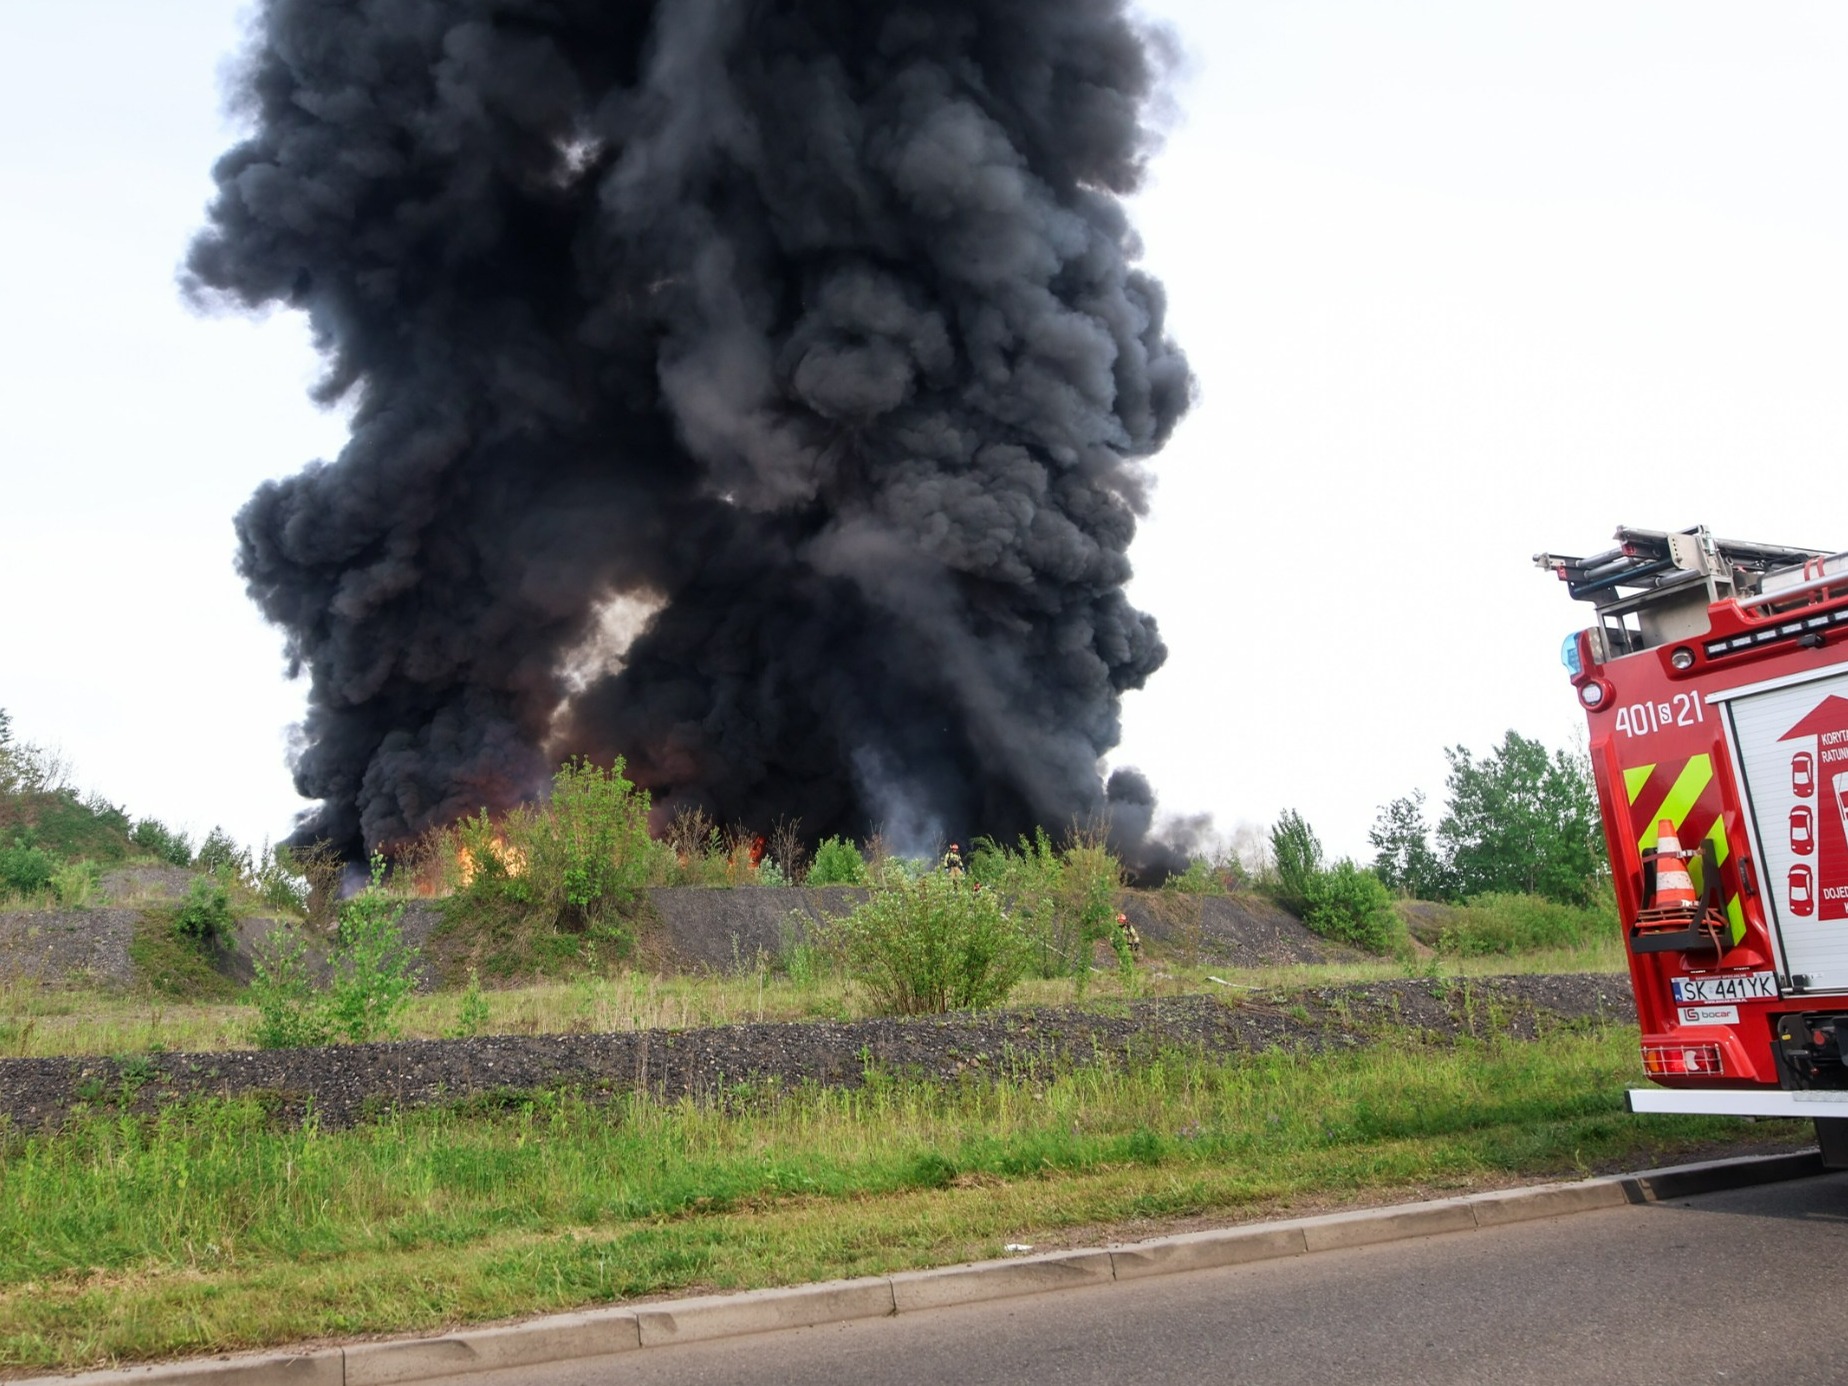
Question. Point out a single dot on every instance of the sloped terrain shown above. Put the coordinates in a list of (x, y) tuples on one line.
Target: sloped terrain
[(683, 930), (344, 1083)]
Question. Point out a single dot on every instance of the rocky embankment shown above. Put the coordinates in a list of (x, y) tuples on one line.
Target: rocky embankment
[(344, 1084), (681, 930)]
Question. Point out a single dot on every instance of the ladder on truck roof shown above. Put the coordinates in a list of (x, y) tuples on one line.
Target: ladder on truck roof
[(1656, 585)]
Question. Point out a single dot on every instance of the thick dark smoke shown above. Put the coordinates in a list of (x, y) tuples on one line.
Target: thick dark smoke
[(810, 326)]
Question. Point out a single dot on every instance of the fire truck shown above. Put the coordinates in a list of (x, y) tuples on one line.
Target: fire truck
[(1715, 683)]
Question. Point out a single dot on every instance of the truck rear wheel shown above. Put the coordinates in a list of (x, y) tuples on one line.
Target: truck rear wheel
[(1832, 1136)]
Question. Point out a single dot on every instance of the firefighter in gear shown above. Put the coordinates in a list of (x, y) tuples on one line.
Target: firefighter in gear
[(952, 863), (1130, 936)]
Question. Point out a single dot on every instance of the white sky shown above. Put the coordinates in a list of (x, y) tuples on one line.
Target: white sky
[(1460, 282)]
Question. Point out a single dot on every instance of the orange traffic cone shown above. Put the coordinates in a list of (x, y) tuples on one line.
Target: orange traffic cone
[(1674, 888)]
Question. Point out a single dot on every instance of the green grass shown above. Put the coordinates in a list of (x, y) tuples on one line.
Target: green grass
[(199, 1010), (209, 1228), (67, 827), (172, 965)]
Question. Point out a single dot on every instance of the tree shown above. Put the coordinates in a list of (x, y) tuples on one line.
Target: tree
[(1521, 820), (1297, 855), (1404, 859), (9, 767)]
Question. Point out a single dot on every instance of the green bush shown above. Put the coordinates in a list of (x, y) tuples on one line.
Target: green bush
[(289, 1013), (26, 869), (1506, 923), (1198, 879), (75, 883), (221, 856), (205, 914), (931, 944), (1063, 901), (837, 862), (1297, 856), (278, 883), (472, 1016), (1352, 905), (371, 975), (374, 971), (157, 840), (578, 861)]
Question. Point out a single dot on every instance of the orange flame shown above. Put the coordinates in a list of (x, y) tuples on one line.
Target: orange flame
[(511, 859)]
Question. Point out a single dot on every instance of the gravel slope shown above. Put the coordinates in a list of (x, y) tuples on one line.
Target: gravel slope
[(345, 1082)]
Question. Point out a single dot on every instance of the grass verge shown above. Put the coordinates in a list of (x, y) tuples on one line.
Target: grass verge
[(37, 1021), (209, 1229)]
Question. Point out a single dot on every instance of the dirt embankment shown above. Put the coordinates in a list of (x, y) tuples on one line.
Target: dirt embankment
[(344, 1083), (681, 930)]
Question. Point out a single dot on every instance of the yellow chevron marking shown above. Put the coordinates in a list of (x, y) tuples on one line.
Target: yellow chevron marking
[(1635, 778), (1721, 850), (1736, 913), (1688, 785)]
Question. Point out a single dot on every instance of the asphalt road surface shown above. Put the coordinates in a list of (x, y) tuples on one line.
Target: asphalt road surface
[(1742, 1287)]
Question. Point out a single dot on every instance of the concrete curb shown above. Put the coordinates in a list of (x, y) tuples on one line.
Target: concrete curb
[(598, 1332)]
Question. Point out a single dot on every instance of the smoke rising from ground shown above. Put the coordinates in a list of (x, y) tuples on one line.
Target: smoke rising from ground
[(804, 334)]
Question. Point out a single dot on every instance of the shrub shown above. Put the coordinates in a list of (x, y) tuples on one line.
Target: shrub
[(220, 855), (1297, 856), (1064, 902), (289, 1013), (74, 883), (371, 975), (837, 862), (577, 861), (789, 850), (279, 885), (1352, 905), (1506, 923), (157, 840), (1198, 879), (373, 970), (932, 944), (25, 868), (205, 914), (802, 952), (472, 1015)]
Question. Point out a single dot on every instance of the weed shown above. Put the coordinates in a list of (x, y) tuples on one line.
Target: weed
[(542, 1204), (283, 992), (75, 884), (472, 1016), (371, 975), (374, 970)]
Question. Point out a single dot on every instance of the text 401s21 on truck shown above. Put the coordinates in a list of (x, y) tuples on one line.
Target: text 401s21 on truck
[(1716, 687)]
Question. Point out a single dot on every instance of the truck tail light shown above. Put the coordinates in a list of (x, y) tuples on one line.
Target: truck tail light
[(1666, 1060)]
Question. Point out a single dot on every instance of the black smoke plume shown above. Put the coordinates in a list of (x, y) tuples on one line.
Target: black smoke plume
[(806, 333)]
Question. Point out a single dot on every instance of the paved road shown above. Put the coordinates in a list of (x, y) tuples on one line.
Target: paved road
[(1743, 1287)]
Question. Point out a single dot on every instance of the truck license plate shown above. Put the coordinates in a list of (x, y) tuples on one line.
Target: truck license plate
[(1707, 991)]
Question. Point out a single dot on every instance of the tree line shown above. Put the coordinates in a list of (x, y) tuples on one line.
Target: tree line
[(1519, 820)]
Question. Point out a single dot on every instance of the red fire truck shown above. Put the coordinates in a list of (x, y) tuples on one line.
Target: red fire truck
[(1715, 683)]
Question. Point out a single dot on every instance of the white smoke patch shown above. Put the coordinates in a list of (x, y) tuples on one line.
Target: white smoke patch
[(577, 156), (615, 625), (900, 808)]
